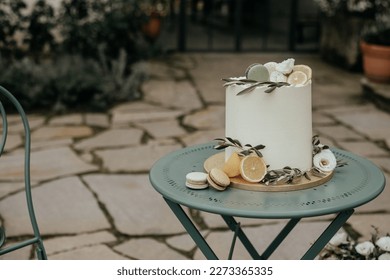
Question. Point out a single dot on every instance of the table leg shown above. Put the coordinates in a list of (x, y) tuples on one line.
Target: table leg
[(279, 238), (232, 224), (238, 227), (329, 232), (192, 230)]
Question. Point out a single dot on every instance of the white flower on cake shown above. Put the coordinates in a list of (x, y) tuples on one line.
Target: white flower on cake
[(277, 77), (286, 66), (325, 161), (271, 66), (365, 248)]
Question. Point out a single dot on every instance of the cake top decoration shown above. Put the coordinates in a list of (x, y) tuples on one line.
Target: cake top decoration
[(286, 66), (273, 75)]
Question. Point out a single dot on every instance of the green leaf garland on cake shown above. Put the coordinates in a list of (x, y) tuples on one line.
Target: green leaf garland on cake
[(245, 150), (324, 161), (286, 175)]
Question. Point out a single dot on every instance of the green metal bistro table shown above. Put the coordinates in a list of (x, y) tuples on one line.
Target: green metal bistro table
[(351, 186)]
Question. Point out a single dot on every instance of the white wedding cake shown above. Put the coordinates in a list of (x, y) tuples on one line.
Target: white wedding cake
[(272, 106), (268, 140)]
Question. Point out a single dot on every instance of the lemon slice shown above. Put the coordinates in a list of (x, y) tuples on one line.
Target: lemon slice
[(257, 72), (304, 68), (232, 165), (297, 78), (253, 169)]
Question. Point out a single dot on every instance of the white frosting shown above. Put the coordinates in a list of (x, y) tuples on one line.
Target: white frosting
[(280, 120)]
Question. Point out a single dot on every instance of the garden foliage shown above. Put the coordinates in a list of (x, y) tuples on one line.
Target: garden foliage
[(82, 55)]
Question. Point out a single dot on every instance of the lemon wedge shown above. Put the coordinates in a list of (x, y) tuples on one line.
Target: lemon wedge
[(232, 165)]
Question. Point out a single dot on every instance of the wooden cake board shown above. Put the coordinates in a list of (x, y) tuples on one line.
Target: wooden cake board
[(218, 160)]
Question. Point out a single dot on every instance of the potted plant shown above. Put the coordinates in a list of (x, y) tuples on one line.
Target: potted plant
[(375, 46), (154, 11), (340, 43)]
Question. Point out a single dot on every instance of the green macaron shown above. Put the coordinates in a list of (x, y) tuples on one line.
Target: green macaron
[(257, 72)]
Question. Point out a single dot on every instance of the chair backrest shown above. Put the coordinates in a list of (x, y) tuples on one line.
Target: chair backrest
[(36, 240)]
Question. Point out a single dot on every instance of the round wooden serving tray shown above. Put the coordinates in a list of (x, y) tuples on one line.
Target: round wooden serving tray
[(218, 160)]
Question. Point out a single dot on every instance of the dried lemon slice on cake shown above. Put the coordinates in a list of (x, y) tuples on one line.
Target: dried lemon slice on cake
[(253, 169), (297, 78), (303, 68)]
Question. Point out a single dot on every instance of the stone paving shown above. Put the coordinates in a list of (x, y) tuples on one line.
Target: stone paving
[(91, 190)]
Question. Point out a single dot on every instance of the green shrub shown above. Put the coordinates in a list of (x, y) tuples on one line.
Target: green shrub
[(87, 24), (90, 64), (11, 22), (39, 37), (71, 83)]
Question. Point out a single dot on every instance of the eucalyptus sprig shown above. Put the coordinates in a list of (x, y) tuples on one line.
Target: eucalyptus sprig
[(317, 172), (317, 146), (271, 85), (341, 163), (246, 150), (286, 175)]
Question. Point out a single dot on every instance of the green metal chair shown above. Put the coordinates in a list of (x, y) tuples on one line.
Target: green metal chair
[(36, 240)]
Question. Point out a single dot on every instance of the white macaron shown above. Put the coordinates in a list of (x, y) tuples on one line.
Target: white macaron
[(196, 180)]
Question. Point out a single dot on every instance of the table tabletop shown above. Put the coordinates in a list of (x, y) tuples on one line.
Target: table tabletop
[(352, 185)]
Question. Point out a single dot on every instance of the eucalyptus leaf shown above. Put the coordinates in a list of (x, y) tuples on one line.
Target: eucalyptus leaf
[(259, 147), (307, 176), (248, 89), (230, 83), (221, 147), (257, 153), (238, 142), (271, 89), (230, 140)]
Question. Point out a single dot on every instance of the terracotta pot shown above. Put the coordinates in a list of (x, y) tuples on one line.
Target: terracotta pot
[(152, 28), (376, 62)]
